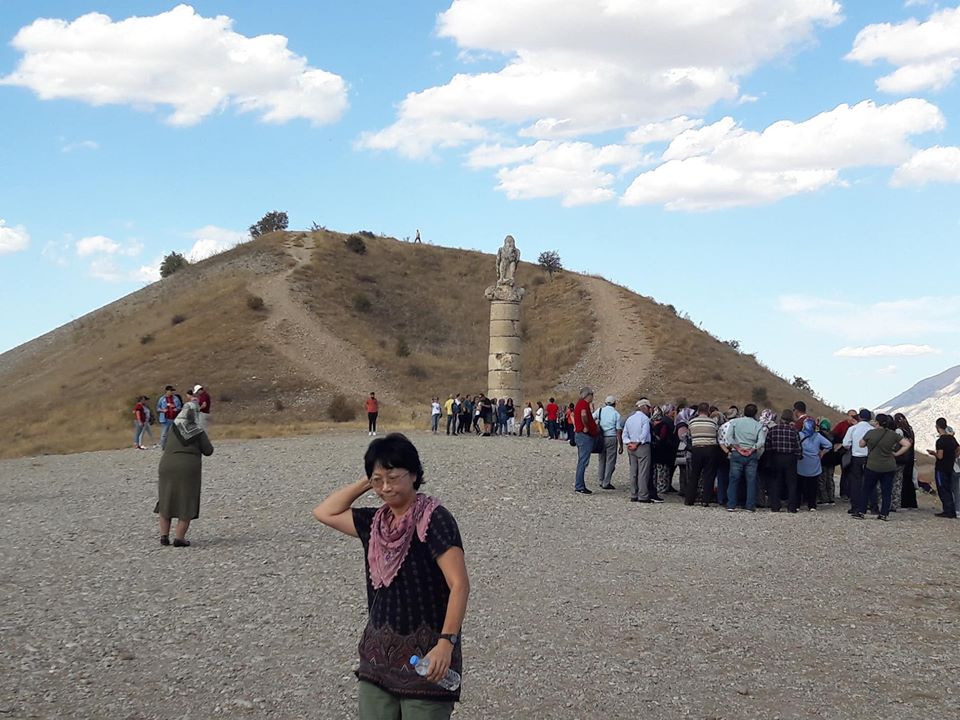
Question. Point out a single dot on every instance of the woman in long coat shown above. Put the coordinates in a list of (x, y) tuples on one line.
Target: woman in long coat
[(180, 468)]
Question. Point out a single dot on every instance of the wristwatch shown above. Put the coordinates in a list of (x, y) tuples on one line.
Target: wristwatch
[(452, 638)]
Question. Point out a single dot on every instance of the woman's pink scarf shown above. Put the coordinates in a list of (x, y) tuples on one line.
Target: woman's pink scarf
[(390, 543)]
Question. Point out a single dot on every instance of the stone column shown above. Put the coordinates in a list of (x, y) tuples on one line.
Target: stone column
[(503, 364)]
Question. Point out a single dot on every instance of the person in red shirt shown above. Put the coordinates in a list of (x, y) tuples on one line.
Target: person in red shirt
[(585, 429), (141, 422), (373, 410), (203, 402), (839, 432), (553, 414)]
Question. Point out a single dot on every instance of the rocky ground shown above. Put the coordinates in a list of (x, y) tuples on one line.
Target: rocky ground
[(582, 607)]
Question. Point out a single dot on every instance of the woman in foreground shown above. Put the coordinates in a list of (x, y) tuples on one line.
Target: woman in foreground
[(180, 469), (417, 585)]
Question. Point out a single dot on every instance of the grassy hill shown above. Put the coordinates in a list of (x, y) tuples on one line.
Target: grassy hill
[(408, 321)]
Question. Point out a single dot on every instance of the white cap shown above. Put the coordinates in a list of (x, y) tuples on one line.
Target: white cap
[(643, 403), (197, 388), (611, 400)]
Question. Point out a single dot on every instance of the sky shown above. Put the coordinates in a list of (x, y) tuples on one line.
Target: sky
[(785, 172)]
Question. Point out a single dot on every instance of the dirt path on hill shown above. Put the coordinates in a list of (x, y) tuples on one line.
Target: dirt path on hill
[(619, 357), (298, 335)]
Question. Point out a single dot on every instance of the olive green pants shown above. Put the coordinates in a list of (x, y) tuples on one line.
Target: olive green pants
[(378, 704)]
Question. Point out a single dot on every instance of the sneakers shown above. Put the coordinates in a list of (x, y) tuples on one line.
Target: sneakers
[(658, 500), (731, 509), (857, 515), (883, 517), (607, 487), (585, 491)]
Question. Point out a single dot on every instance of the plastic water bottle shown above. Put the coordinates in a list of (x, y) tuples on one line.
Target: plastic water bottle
[(450, 681)]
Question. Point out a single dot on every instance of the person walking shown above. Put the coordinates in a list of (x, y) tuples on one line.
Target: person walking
[(703, 456), (636, 439), (858, 457), (783, 444), (168, 407), (180, 471), (884, 445), (373, 412), (585, 430), (814, 447), (611, 427), (417, 585), (945, 454), (743, 439)]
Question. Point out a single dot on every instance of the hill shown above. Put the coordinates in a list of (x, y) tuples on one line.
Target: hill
[(929, 399), (408, 321)]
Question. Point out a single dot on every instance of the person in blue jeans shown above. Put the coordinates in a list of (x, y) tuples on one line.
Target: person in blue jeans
[(742, 441), (585, 430), (168, 407)]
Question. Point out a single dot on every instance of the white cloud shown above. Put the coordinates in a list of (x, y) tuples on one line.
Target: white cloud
[(13, 239), (887, 370), (870, 321), (876, 351), (927, 54), (935, 164), (662, 131), (595, 65), (194, 65), (724, 165), (81, 145), (211, 240), (102, 245)]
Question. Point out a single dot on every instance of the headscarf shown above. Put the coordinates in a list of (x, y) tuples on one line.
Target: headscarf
[(686, 414), (186, 421), (809, 429), (824, 425), (657, 415), (768, 417), (390, 543), (668, 408)]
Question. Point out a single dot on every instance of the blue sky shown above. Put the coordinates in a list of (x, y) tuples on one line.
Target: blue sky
[(786, 172)]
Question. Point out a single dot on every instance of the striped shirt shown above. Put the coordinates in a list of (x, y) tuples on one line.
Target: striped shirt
[(703, 431)]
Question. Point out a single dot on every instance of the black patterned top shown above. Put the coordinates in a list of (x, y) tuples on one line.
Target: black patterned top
[(406, 618)]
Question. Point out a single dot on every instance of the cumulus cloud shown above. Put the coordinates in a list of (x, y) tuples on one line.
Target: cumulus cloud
[(192, 64), (877, 351), (102, 245), (870, 321), (210, 240), (576, 68), (935, 164), (13, 239), (725, 165), (927, 54)]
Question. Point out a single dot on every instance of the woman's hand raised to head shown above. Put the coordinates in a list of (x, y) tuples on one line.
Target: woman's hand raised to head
[(335, 510)]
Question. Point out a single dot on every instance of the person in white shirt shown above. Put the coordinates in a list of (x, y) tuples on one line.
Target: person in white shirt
[(435, 412), (636, 438), (610, 423), (858, 456)]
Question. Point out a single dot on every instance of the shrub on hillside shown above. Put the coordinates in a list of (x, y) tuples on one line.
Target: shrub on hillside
[(356, 245), (171, 263), (340, 409), (366, 234), (271, 222), (314, 227), (403, 349), (255, 302), (177, 319), (549, 260), (146, 339), (759, 394), (278, 405), (361, 303), (417, 372)]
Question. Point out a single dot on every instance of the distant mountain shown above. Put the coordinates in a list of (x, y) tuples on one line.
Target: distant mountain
[(937, 396)]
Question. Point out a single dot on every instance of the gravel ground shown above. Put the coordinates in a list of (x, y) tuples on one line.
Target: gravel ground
[(582, 607)]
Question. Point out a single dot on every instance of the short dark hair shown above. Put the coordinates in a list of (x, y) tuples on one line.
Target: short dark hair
[(703, 408), (800, 406), (734, 407), (394, 451), (942, 423), (786, 416), (750, 411), (552, 400)]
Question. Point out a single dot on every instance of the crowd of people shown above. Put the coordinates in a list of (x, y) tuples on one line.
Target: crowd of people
[(484, 416), (168, 407), (762, 459)]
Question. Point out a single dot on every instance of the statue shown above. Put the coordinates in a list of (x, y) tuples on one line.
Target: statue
[(507, 258)]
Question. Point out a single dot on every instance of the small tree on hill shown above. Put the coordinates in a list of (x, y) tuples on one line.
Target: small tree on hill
[(171, 263), (271, 222), (549, 260), (802, 385)]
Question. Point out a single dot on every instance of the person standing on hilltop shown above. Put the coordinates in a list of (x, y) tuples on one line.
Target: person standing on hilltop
[(585, 430), (373, 411), (168, 407), (203, 402), (417, 238), (417, 585)]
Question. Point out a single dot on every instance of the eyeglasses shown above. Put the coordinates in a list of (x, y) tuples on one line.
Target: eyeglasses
[(391, 480)]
